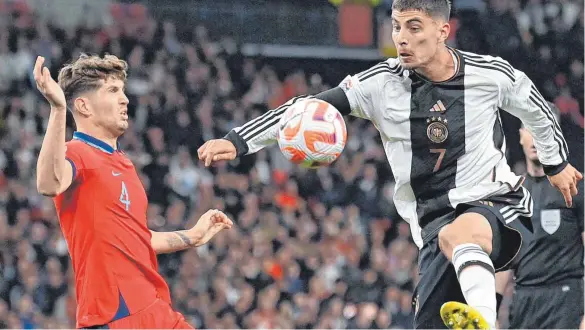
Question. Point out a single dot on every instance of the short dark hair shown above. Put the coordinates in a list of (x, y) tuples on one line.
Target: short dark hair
[(86, 73), (433, 8)]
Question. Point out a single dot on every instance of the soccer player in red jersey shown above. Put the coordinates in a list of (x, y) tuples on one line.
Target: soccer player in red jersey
[(102, 204)]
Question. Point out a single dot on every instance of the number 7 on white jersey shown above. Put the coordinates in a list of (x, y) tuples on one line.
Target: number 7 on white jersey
[(124, 198)]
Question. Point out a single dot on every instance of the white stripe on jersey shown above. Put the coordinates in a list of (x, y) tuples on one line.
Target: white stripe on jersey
[(524, 208)]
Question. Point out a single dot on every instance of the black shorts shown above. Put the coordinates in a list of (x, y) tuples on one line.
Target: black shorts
[(438, 280), (558, 306)]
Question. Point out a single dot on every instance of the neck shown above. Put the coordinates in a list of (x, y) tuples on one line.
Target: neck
[(440, 68), (534, 169), (98, 133)]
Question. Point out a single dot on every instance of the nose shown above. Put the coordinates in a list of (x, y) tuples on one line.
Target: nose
[(401, 38), (124, 99)]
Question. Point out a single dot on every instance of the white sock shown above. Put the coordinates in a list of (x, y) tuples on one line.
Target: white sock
[(477, 279)]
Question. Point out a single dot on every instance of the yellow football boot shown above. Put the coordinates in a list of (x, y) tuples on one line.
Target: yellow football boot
[(461, 316)]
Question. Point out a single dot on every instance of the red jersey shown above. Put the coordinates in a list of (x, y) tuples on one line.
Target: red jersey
[(103, 219)]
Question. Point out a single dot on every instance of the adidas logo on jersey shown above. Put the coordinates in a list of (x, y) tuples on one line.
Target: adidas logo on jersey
[(438, 107)]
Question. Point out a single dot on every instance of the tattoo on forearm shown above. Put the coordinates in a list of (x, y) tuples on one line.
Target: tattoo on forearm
[(178, 239), (184, 237)]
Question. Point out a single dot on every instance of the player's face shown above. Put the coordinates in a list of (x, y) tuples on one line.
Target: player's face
[(527, 143), (109, 106), (417, 37)]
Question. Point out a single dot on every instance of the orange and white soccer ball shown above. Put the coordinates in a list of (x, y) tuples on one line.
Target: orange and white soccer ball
[(312, 133)]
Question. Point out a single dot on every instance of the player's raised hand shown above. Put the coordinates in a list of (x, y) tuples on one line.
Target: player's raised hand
[(216, 150), (566, 181), (209, 224), (47, 86)]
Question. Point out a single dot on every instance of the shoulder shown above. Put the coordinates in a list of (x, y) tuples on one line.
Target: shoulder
[(81, 153), (492, 66), (389, 69), (78, 147)]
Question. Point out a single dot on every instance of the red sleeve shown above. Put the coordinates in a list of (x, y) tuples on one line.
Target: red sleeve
[(73, 155)]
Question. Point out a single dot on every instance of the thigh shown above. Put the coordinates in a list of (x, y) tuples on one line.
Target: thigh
[(438, 284), (509, 220)]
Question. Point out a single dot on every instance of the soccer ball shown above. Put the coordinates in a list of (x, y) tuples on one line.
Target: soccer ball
[(312, 133)]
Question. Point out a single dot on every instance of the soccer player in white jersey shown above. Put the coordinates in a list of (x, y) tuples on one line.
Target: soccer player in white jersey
[(436, 109)]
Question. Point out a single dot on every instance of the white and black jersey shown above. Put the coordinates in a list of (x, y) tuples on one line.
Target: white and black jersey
[(443, 140)]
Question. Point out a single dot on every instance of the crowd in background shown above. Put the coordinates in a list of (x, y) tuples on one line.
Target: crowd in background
[(311, 248)]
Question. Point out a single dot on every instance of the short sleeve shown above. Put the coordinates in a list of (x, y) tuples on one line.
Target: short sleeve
[(73, 156)]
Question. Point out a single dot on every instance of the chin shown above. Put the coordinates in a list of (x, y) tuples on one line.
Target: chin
[(122, 128), (408, 65)]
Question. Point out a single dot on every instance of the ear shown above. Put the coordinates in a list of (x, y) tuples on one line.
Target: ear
[(444, 30), (81, 105)]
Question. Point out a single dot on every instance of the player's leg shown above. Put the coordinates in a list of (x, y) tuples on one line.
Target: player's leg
[(467, 244), (437, 284), (484, 238)]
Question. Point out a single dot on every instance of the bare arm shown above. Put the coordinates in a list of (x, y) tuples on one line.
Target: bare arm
[(209, 224), (168, 242), (54, 172)]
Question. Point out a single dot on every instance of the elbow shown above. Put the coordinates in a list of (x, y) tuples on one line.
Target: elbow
[(47, 192), (47, 189)]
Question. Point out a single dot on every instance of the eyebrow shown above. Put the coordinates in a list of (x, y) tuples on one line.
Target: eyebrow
[(412, 20)]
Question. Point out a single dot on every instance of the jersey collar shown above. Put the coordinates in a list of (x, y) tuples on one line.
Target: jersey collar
[(94, 142)]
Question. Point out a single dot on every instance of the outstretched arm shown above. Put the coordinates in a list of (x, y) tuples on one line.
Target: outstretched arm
[(210, 223), (261, 132), (358, 95), (173, 241)]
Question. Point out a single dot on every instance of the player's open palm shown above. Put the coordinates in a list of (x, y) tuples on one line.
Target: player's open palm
[(566, 181), (216, 150), (47, 86), (209, 224)]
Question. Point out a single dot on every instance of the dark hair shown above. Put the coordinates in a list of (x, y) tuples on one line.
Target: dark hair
[(433, 8), (86, 73)]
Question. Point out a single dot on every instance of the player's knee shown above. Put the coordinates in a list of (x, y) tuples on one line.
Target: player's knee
[(468, 228)]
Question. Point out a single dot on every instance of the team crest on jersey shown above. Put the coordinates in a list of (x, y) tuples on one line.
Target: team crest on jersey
[(437, 130), (550, 220)]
